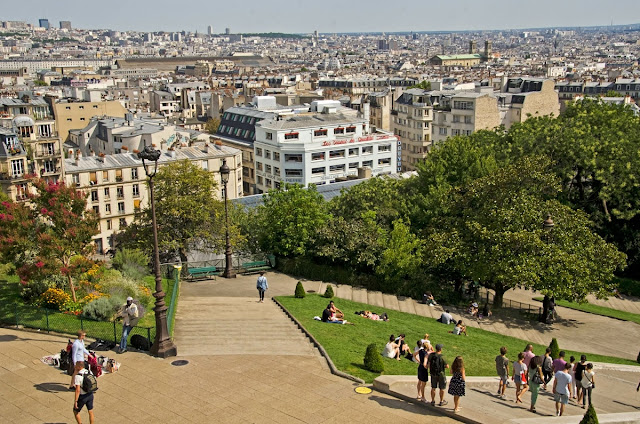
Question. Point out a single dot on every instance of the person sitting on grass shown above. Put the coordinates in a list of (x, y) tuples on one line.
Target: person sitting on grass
[(335, 312), (473, 309), (391, 349), (446, 318), (459, 329), (403, 346), (327, 316)]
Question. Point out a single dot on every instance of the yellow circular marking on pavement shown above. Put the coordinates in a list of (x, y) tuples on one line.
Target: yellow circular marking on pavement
[(363, 390)]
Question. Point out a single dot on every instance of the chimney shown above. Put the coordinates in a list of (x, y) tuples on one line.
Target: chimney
[(78, 157), (366, 111)]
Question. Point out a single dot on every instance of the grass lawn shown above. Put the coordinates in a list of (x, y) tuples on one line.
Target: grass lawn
[(11, 304), (346, 344), (598, 310)]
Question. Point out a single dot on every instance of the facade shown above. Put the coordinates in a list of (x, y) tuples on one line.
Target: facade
[(327, 145), (43, 23), (76, 115), (412, 116), (116, 185), (13, 165), (463, 114), (65, 25)]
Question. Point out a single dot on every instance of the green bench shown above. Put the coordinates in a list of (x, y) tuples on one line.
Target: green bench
[(201, 272), (256, 266)]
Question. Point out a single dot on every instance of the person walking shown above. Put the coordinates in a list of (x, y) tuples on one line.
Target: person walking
[(587, 383), (437, 366), (421, 357), (520, 377), (547, 367), (457, 383), (562, 389), (81, 398), (536, 379), (262, 286), (130, 316), (78, 353), (559, 362), (578, 371), (528, 354), (502, 368)]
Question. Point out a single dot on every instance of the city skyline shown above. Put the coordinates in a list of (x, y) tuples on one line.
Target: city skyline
[(328, 17)]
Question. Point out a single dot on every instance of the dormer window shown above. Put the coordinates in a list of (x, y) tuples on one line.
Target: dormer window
[(320, 133), (351, 129), (339, 130), (291, 136)]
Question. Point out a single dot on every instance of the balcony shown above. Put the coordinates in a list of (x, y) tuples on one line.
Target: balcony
[(51, 171), (47, 153)]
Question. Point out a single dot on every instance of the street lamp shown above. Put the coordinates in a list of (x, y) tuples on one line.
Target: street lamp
[(162, 347), (548, 224), (228, 266)]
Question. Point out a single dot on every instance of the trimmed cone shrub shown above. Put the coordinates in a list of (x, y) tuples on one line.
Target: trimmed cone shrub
[(555, 349), (590, 416), (328, 293), (373, 359), (300, 293), (638, 358)]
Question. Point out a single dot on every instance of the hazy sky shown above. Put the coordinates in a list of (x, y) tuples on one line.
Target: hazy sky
[(298, 16)]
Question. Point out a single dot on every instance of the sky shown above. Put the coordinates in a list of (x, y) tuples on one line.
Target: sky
[(326, 16)]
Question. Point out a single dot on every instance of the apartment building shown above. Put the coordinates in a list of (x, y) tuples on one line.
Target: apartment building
[(412, 116), (116, 184), (326, 145), (464, 113), (75, 115), (13, 165)]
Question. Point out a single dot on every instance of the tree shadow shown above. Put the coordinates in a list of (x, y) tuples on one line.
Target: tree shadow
[(52, 387), (626, 404)]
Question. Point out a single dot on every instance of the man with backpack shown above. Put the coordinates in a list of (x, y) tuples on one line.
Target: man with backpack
[(437, 365), (130, 317), (85, 385)]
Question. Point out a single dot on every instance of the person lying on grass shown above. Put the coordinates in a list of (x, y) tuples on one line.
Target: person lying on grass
[(373, 316)]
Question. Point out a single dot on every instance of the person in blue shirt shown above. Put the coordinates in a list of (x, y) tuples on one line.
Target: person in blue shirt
[(262, 286), (78, 352)]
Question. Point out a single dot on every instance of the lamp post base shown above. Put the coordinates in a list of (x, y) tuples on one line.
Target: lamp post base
[(229, 274), (164, 349)]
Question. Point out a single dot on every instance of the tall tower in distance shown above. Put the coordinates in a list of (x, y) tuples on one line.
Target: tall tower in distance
[(65, 25), (43, 23), (488, 51), (209, 30), (227, 31), (473, 47)]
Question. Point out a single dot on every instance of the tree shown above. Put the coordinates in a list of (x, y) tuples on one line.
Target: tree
[(189, 217), (492, 233), (44, 239), (211, 126), (424, 85), (373, 359), (289, 218), (590, 417), (555, 349), (300, 293)]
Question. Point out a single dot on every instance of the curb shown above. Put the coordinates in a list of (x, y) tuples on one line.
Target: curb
[(318, 346)]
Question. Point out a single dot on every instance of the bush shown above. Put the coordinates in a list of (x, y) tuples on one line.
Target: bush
[(590, 416), (628, 286), (33, 291), (373, 359), (132, 263), (103, 308), (54, 298), (328, 293), (555, 349), (638, 358), (300, 293)]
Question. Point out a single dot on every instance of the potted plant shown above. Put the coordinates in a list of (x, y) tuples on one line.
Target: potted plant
[(125, 148)]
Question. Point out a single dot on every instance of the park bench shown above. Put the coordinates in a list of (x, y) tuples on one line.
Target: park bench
[(255, 266), (206, 271)]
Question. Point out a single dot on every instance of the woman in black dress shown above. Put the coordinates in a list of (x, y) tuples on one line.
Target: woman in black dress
[(457, 383), (421, 356)]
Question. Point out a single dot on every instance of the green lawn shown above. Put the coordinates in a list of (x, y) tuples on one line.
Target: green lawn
[(13, 310), (598, 310), (346, 344)]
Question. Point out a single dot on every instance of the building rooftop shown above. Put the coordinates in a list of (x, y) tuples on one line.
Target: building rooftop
[(310, 121)]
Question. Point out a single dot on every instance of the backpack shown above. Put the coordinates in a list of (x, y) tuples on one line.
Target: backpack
[(436, 364), (89, 383), (94, 367)]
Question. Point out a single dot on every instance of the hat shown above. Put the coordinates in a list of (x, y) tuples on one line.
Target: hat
[(439, 346), (129, 298), (475, 305)]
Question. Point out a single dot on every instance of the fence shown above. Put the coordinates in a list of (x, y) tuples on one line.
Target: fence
[(487, 296), (43, 319)]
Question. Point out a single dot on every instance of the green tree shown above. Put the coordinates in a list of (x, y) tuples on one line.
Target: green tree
[(211, 126), (401, 260), (424, 85), (189, 217), (44, 239), (555, 349), (373, 359), (288, 220), (328, 292), (300, 293), (590, 417), (492, 233)]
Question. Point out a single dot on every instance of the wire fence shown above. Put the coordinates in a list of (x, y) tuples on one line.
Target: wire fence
[(486, 296)]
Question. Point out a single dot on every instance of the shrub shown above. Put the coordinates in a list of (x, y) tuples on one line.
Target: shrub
[(328, 293), (33, 291), (54, 298), (116, 285), (300, 293), (133, 263), (103, 308), (638, 358), (628, 286), (373, 359), (590, 416), (555, 349)]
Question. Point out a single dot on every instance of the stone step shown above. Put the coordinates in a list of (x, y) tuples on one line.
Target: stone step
[(390, 301), (344, 292), (374, 298), (407, 305), (359, 295)]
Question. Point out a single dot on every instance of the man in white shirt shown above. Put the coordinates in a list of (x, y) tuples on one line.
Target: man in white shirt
[(78, 352), (446, 317), (129, 320), (562, 389), (81, 397)]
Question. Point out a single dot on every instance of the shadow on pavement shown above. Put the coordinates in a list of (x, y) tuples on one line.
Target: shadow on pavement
[(52, 387), (8, 338)]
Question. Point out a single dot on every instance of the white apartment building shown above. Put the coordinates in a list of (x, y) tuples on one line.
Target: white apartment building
[(412, 116), (328, 144)]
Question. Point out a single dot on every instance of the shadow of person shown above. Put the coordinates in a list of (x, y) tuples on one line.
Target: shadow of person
[(51, 387), (8, 338)]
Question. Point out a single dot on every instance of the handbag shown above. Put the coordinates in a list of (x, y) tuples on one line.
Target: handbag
[(536, 378)]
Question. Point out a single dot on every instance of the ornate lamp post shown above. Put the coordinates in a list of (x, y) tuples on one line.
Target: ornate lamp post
[(228, 265), (162, 347), (547, 226)]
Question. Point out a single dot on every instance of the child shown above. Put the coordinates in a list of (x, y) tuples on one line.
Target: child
[(520, 377), (457, 383)]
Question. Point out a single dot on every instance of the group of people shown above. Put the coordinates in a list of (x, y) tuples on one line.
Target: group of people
[(333, 315), (571, 380), (430, 360)]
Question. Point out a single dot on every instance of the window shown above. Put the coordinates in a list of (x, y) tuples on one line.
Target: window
[(267, 182), (107, 209), (276, 171), (338, 130), (467, 119), (317, 156), (276, 156), (21, 191), (122, 222), (267, 169), (367, 150), (351, 130), (105, 176), (267, 154), (384, 161), (353, 165), (320, 133), (463, 105), (291, 136), (368, 163), (107, 194), (316, 171), (442, 131), (456, 118), (337, 168), (109, 224), (259, 180), (96, 209), (120, 192), (259, 166), (76, 179), (49, 166), (293, 158), (120, 207), (94, 195), (258, 151), (293, 172), (336, 154), (353, 151), (386, 148), (205, 165), (269, 136), (136, 190), (455, 132), (134, 173)]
